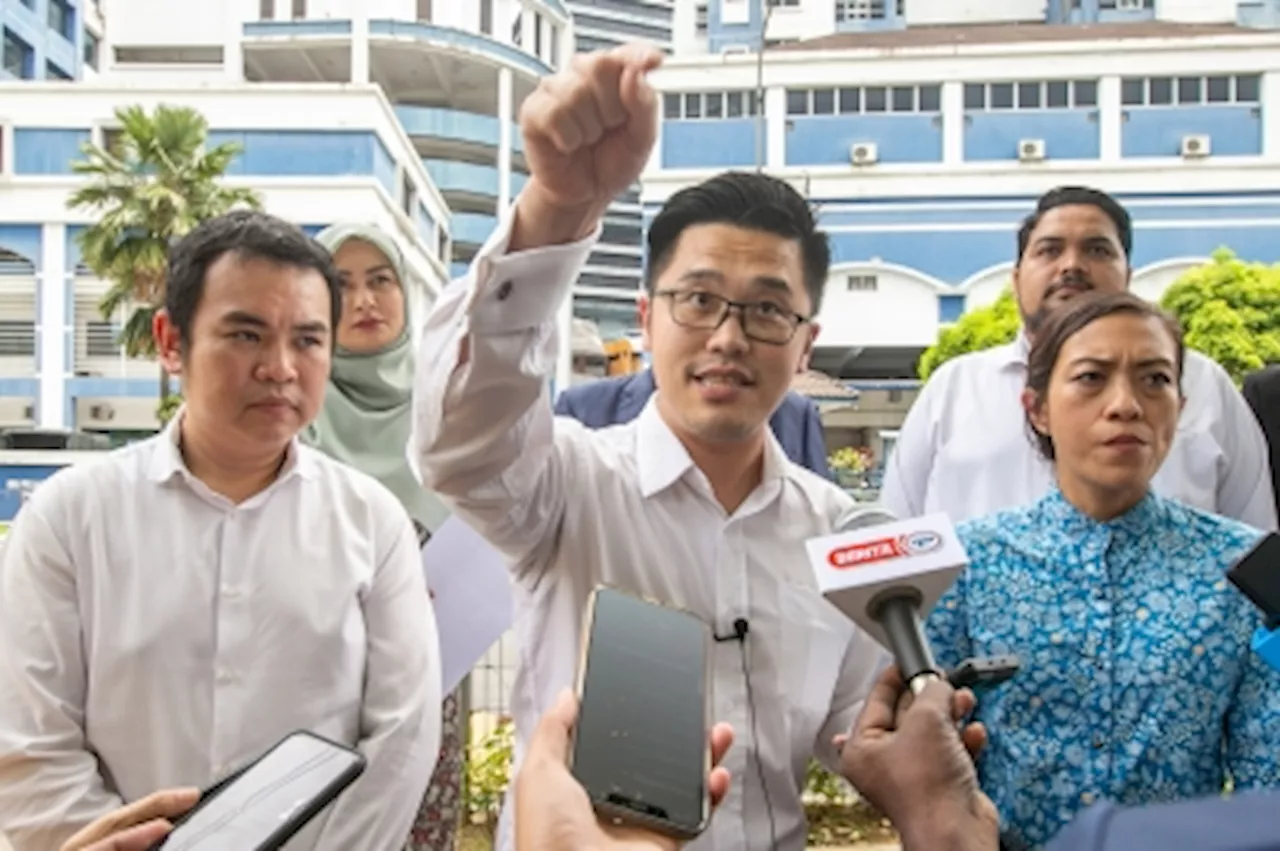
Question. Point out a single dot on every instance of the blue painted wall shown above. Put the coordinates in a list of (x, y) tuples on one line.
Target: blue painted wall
[(453, 176), (384, 167), (281, 152), (473, 228), (1157, 131), (826, 139), (46, 151), (455, 125), (1069, 134), (721, 35), (950, 307), (710, 143), (63, 50)]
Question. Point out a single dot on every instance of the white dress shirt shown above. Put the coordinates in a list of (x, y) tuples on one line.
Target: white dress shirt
[(966, 449), (154, 634), (625, 506)]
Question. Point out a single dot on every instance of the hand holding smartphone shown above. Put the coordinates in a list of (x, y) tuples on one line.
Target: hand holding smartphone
[(265, 804), (640, 746)]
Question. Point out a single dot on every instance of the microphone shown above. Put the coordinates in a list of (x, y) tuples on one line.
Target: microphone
[(740, 629), (882, 572), (1257, 577)]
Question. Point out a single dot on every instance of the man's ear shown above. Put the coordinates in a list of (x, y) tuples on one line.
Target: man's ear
[(168, 342), (644, 308)]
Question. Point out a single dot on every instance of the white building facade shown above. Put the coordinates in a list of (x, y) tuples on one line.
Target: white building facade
[(922, 147)]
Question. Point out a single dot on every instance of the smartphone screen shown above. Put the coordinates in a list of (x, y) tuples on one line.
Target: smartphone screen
[(271, 799), (1257, 575), (640, 744)]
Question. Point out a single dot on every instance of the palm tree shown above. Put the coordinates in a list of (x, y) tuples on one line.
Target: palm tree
[(150, 186)]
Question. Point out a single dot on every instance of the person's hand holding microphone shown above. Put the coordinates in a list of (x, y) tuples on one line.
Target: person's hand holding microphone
[(907, 759)]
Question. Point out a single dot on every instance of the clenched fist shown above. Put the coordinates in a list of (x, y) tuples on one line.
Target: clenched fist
[(588, 131)]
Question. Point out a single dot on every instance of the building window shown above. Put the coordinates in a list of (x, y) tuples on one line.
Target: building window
[(700, 19), (1191, 90), (860, 10), (19, 57), (792, 3), (17, 338), (862, 283), (554, 35), (424, 10), (486, 17), (1126, 5), (266, 10), (100, 339), (1051, 94), (90, 50), (537, 35), (865, 100), (61, 19), (299, 9), (53, 72), (708, 105)]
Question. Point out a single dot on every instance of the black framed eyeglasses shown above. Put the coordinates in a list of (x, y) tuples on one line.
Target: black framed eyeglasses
[(762, 321)]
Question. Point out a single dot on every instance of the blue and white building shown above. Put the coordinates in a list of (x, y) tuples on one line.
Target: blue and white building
[(400, 112), (923, 130)]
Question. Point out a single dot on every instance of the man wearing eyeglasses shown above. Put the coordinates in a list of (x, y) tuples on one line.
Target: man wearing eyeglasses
[(693, 503)]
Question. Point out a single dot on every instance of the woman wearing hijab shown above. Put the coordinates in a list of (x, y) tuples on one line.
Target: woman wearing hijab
[(1137, 684), (365, 422)]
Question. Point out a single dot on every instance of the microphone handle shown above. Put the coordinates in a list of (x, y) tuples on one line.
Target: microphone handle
[(898, 615)]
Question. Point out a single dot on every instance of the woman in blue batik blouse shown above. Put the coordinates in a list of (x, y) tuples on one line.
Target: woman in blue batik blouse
[(1137, 682)]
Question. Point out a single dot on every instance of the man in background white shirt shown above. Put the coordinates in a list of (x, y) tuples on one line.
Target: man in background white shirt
[(169, 613), (693, 503), (964, 447)]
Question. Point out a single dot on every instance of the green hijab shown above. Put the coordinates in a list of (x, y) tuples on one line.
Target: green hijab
[(368, 407)]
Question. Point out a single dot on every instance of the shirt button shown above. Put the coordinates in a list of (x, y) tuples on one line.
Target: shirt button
[(1099, 742), (230, 592), (225, 676), (504, 291), (1086, 798)]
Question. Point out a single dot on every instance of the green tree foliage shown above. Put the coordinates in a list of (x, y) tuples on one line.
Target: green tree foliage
[(1230, 311), (982, 328), (153, 185)]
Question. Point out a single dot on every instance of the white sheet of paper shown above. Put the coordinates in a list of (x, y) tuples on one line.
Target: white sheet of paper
[(472, 593)]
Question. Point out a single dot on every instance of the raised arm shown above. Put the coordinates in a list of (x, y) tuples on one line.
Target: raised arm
[(483, 426)]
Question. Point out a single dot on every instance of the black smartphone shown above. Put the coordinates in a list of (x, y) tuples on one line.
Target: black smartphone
[(984, 672), (1257, 575), (640, 747), (262, 806)]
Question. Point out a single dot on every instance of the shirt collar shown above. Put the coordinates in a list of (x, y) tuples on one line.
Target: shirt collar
[(1054, 508), (167, 461), (662, 460), (1014, 354)]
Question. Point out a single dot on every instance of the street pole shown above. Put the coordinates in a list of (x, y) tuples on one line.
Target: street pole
[(766, 9)]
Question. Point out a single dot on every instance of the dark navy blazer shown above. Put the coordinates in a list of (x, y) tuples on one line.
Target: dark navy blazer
[(613, 401)]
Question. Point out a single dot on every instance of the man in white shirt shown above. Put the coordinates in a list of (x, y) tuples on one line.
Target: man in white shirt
[(965, 447), (170, 612), (693, 503)]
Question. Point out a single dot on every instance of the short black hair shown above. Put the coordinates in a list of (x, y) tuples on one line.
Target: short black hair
[(1084, 195), (251, 235), (748, 200), (1072, 318)]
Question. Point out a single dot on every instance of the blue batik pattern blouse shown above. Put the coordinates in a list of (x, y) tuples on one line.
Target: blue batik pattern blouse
[(1137, 681)]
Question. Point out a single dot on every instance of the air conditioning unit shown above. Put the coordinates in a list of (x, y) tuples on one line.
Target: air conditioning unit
[(1031, 150), (864, 153), (1195, 146), (102, 412), (29, 412)]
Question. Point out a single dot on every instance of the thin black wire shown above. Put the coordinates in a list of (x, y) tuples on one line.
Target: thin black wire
[(755, 741)]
